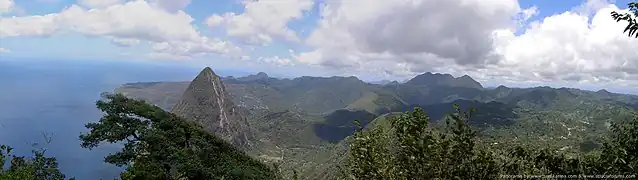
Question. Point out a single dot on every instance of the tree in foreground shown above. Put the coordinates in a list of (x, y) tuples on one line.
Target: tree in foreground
[(620, 153), (38, 167), (160, 145), (409, 149), (631, 17)]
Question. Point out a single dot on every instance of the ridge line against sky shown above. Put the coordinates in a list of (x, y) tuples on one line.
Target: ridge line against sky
[(509, 42)]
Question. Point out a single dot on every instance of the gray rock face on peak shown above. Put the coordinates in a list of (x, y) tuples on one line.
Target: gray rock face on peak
[(206, 102)]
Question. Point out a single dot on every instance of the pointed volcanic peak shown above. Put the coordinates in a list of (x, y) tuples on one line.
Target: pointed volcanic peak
[(206, 102), (502, 88), (604, 92), (252, 77), (260, 77), (436, 79)]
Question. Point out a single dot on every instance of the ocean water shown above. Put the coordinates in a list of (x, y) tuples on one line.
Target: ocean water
[(57, 98)]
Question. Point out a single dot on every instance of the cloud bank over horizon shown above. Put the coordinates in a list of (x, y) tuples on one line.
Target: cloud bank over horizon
[(496, 41)]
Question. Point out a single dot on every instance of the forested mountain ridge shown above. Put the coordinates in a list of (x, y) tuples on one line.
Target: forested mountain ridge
[(300, 94), (299, 122), (436, 79)]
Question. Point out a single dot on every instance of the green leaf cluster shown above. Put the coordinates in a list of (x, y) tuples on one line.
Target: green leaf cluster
[(38, 167), (632, 28)]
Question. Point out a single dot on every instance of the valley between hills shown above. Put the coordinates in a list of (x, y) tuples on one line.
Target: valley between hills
[(304, 124)]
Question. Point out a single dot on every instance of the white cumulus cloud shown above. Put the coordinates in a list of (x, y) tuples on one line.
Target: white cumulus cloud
[(38, 25), (6, 6), (262, 21), (572, 47), (418, 32), (135, 19), (126, 24), (276, 60), (476, 37)]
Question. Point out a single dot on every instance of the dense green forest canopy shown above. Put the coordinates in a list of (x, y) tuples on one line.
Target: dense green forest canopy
[(407, 147)]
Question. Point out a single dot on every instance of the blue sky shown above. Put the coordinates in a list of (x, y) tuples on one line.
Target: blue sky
[(370, 39)]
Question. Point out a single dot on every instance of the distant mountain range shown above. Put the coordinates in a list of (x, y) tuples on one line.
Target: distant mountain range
[(305, 121)]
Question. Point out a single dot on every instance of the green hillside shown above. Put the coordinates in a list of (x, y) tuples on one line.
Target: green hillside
[(305, 123)]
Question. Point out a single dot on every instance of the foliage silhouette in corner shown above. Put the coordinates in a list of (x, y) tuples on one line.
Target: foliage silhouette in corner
[(631, 17), (37, 167)]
